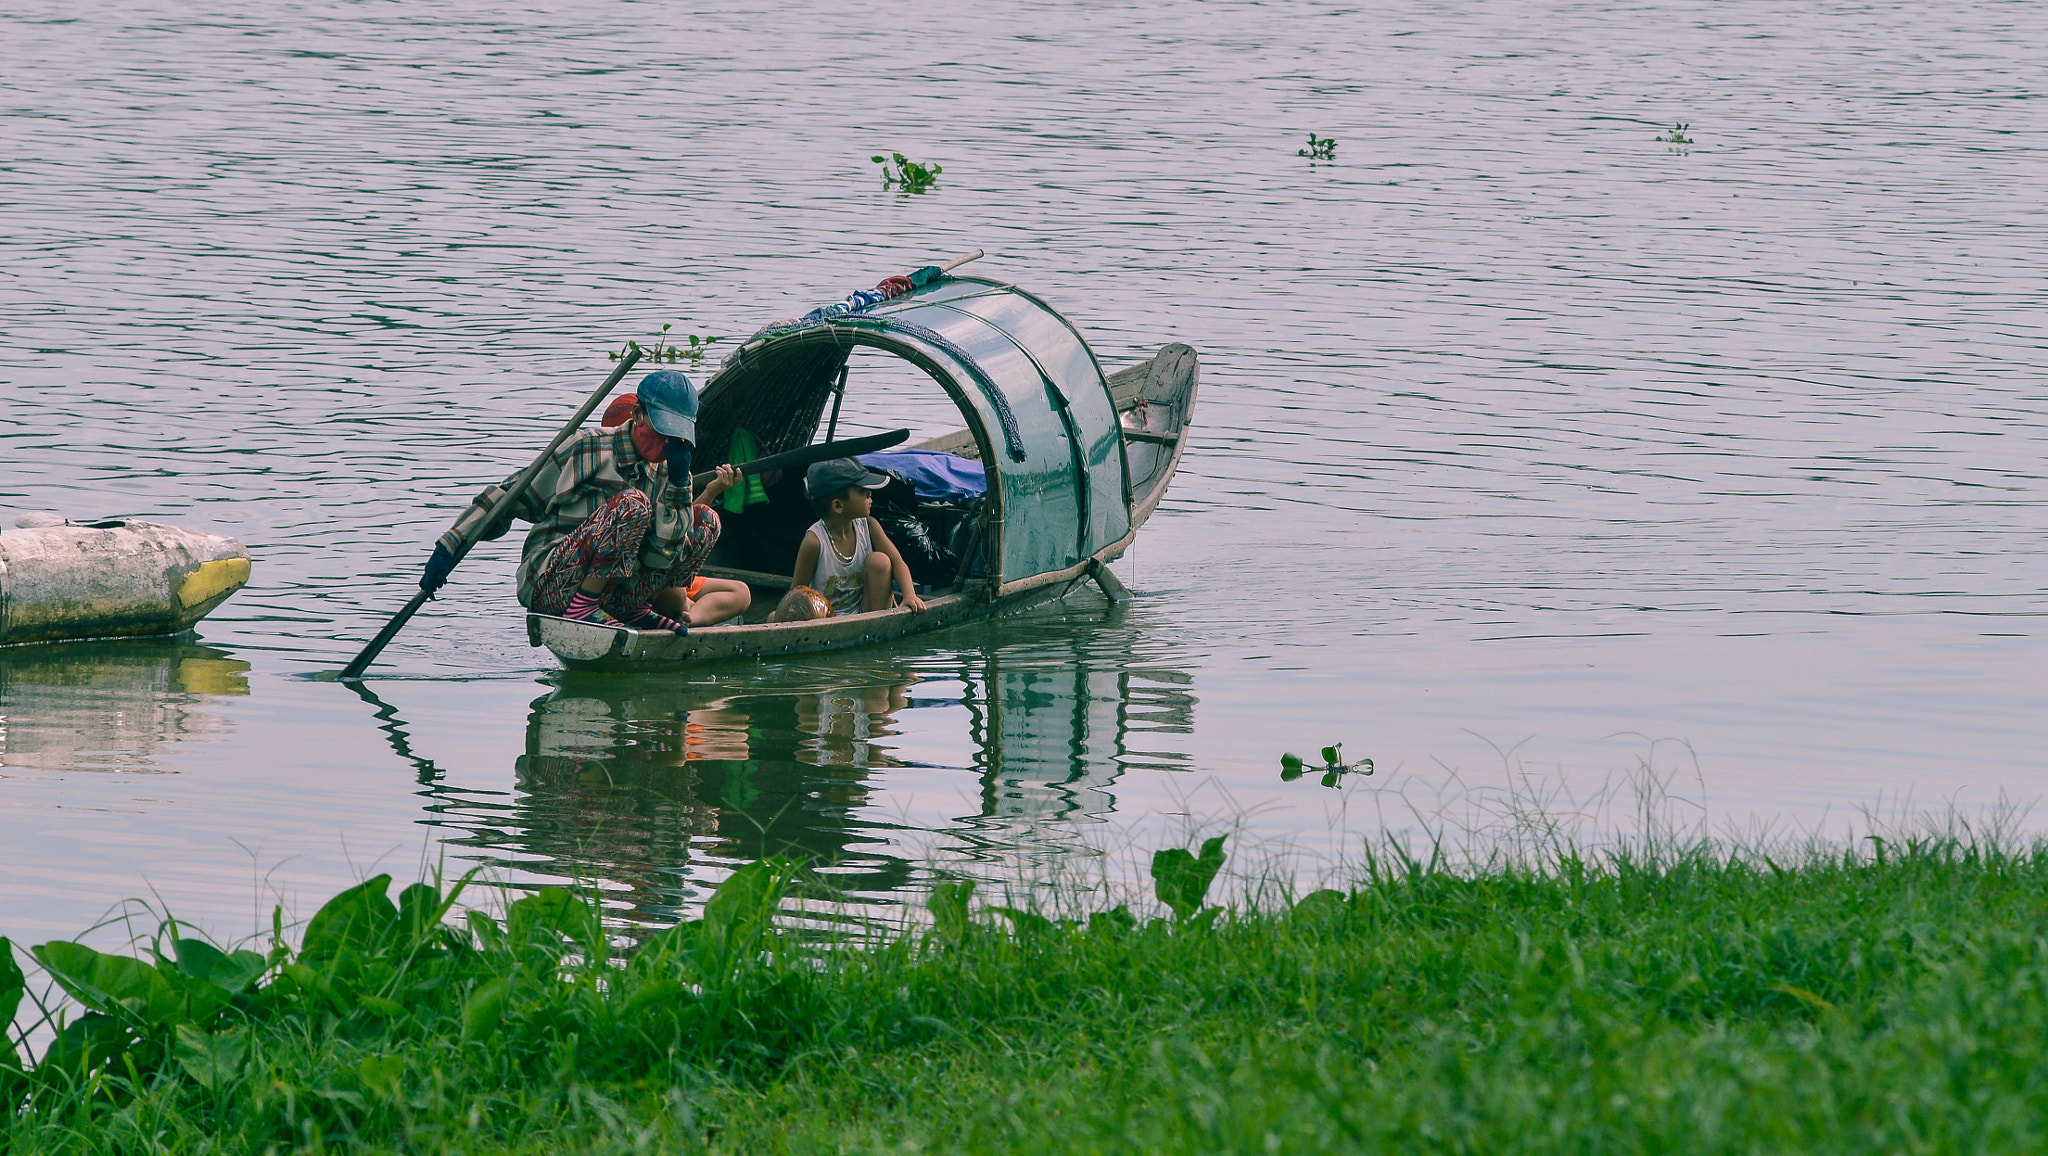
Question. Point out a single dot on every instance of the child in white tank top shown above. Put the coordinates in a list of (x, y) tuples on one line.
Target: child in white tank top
[(846, 555)]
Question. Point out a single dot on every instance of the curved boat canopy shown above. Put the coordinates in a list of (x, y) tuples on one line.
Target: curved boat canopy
[(1033, 395)]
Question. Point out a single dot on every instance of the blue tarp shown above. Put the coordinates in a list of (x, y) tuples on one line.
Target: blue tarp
[(935, 476)]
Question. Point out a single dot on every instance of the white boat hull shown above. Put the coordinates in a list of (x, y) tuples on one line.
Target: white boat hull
[(112, 579)]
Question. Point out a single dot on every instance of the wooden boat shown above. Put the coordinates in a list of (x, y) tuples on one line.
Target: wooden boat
[(1075, 462), (114, 578)]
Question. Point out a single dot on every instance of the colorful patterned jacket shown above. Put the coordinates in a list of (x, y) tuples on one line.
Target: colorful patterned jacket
[(582, 475)]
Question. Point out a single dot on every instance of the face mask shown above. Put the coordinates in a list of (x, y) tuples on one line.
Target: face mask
[(650, 444)]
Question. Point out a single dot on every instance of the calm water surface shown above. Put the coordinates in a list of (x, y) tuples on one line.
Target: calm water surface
[(1528, 444)]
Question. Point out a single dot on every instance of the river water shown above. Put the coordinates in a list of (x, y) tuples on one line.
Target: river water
[(1533, 451)]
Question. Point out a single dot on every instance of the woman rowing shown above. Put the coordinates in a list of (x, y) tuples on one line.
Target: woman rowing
[(610, 534)]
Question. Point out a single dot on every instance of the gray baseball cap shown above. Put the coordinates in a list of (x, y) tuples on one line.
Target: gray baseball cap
[(833, 475)]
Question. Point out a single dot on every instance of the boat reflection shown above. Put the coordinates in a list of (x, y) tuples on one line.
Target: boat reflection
[(656, 788), (108, 706)]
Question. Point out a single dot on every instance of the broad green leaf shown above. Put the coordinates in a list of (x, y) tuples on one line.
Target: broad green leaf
[(212, 1059), (419, 912), (1181, 880), (1333, 755), (664, 948), (744, 903), (660, 994), (12, 985), (13, 1081), (86, 1044), (948, 905), (485, 1009), (551, 913), (1024, 922), (381, 1075), (354, 921), (1116, 921), (232, 972), (1319, 906), (1290, 767), (120, 986), (488, 933)]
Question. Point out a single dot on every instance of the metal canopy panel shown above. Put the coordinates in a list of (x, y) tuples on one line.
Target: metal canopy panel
[(1066, 498), (1034, 390)]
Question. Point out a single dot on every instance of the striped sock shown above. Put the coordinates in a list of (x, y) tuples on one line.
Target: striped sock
[(586, 608), (645, 617)]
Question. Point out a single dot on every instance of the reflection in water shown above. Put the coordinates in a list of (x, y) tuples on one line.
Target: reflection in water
[(107, 706), (1052, 733), (656, 788)]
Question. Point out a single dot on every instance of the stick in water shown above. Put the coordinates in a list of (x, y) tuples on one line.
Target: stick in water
[(361, 662)]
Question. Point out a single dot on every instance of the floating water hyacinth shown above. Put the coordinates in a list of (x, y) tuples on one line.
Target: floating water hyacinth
[(662, 351), (1319, 148), (1333, 770), (907, 174)]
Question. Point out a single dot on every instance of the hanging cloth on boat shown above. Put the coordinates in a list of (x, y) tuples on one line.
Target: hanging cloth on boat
[(749, 492), (933, 475)]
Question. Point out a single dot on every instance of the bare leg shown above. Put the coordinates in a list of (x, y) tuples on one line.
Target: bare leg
[(878, 595), (720, 599)]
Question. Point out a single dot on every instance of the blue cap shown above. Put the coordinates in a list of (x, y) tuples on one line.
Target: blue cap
[(671, 403)]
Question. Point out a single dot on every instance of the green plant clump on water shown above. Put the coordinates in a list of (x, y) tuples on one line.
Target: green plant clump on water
[(907, 174), (1319, 148), (662, 351), (1891, 997), (1333, 770)]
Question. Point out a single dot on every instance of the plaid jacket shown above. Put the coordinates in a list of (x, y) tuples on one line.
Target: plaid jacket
[(582, 475)]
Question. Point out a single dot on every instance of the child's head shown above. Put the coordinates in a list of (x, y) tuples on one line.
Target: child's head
[(802, 604), (837, 485)]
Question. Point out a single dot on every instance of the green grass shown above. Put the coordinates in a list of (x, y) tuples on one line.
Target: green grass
[(1889, 999)]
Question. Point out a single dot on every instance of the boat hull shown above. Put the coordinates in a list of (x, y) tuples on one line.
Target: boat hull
[(583, 646), (112, 579), (1154, 401)]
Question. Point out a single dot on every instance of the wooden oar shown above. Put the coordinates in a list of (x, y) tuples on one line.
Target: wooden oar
[(361, 662)]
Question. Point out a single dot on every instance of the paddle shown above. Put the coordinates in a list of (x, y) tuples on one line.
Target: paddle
[(362, 661), (851, 447)]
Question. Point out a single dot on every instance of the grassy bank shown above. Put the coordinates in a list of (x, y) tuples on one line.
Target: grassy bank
[(1891, 999)]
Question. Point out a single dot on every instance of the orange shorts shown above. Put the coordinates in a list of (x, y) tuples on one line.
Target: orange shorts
[(696, 586)]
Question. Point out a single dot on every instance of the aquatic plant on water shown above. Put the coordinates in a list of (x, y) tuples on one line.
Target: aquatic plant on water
[(661, 350), (1676, 138), (1319, 148), (906, 174), (1333, 770)]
